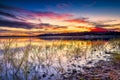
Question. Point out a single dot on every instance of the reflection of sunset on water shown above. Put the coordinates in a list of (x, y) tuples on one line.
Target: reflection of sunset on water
[(21, 42)]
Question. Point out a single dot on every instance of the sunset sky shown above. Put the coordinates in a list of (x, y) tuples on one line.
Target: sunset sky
[(34, 17)]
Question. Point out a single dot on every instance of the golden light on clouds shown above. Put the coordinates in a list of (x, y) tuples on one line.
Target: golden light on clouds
[(51, 22)]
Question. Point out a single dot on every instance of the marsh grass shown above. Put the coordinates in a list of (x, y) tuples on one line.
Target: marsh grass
[(116, 57), (51, 61)]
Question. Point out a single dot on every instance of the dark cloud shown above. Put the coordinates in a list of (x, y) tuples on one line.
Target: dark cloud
[(17, 17), (116, 29), (3, 31), (49, 26), (107, 25), (18, 12), (15, 24), (7, 14), (21, 16)]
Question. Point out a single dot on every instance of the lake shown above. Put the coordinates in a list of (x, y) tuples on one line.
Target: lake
[(40, 59)]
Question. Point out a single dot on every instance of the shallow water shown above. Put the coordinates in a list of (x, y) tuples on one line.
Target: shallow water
[(38, 59)]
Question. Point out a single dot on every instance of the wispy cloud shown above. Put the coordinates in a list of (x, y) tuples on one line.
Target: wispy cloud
[(31, 21), (7, 14), (63, 5), (107, 25), (89, 4), (21, 15), (15, 24), (54, 15), (78, 20)]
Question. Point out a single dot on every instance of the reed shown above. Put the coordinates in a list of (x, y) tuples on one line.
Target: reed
[(48, 61)]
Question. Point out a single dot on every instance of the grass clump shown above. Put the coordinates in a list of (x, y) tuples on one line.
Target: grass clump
[(116, 57)]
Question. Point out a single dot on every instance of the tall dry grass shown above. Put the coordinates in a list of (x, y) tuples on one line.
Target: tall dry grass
[(35, 62)]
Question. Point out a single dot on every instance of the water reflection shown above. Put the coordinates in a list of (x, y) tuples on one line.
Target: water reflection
[(35, 59)]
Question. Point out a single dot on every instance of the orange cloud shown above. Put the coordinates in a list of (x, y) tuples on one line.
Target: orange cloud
[(16, 21)]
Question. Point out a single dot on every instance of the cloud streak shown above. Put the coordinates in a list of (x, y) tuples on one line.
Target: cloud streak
[(31, 22), (77, 20), (15, 24), (53, 15), (18, 16)]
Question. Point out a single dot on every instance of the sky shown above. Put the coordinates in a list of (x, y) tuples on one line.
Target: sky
[(35, 17)]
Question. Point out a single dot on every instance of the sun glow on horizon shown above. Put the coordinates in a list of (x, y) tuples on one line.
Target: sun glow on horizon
[(27, 22)]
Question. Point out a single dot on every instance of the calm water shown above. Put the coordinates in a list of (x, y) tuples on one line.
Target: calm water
[(37, 59)]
